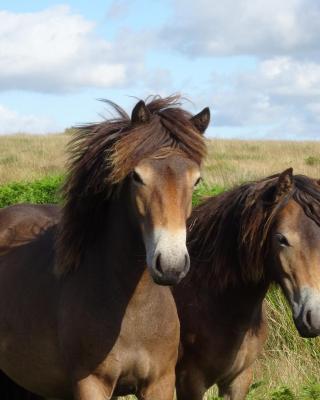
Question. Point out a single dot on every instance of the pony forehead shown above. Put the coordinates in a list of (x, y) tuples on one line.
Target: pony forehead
[(153, 141), (172, 162)]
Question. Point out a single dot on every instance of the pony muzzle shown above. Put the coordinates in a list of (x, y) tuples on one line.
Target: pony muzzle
[(307, 313), (168, 257)]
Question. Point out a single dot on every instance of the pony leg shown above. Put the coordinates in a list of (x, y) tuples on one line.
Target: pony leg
[(190, 384), (190, 392), (162, 389), (91, 388), (238, 388)]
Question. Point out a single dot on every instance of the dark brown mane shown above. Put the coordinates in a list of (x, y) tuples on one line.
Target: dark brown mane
[(228, 234), (103, 154)]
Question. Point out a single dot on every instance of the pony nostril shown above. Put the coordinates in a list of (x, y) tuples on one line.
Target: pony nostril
[(308, 317), (158, 264)]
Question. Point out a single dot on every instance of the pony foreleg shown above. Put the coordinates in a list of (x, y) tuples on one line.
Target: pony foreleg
[(162, 389), (189, 384), (91, 388), (238, 388)]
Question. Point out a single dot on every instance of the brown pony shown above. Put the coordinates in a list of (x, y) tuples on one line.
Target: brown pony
[(80, 315), (239, 242)]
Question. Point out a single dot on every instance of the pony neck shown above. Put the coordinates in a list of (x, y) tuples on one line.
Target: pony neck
[(240, 302), (246, 296), (120, 246), (122, 227)]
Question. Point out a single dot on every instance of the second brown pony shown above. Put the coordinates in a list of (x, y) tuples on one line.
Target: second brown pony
[(80, 315), (239, 242)]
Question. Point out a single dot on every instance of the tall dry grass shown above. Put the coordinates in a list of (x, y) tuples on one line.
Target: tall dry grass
[(29, 157), (231, 162)]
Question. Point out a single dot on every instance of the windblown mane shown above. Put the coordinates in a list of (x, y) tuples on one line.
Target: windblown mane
[(228, 234), (101, 157)]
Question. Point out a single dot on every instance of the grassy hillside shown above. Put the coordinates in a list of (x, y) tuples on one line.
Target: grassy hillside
[(229, 162), (27, 157), (290, 366)]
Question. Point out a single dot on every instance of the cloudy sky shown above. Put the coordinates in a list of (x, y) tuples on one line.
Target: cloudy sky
[(256, 63)]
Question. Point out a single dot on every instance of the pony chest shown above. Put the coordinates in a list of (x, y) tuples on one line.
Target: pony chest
[(150, 318), (145, 345)]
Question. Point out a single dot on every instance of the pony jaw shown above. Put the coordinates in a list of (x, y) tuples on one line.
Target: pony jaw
[(167, 256), (306, 311)]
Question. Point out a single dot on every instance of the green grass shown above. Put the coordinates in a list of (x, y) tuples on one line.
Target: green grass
[(312, 160), (39, 191), (45, 190), (259, 391), (203, 190), (307, 392)]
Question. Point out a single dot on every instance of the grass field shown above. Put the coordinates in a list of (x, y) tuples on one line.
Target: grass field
[(26, 157), (229, 162), (290, 366)]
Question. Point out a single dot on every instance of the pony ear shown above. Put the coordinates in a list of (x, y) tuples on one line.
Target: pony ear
[(201, 120), (140, 113), (285, 183)]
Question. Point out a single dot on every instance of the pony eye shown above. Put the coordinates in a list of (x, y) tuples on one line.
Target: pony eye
[(282, 240), (137, 178), (198, 181)]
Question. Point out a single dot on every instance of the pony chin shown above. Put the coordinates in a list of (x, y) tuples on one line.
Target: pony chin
[(306, 312), (167, 256)]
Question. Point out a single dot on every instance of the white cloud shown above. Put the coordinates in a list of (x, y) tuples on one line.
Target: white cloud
[(285, 76), (281, 96), (13, 122), (229, 27), (55, 50)]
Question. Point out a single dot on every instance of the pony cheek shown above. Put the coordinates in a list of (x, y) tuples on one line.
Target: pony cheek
[(189, 209), (140, 206), (281, 271)]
